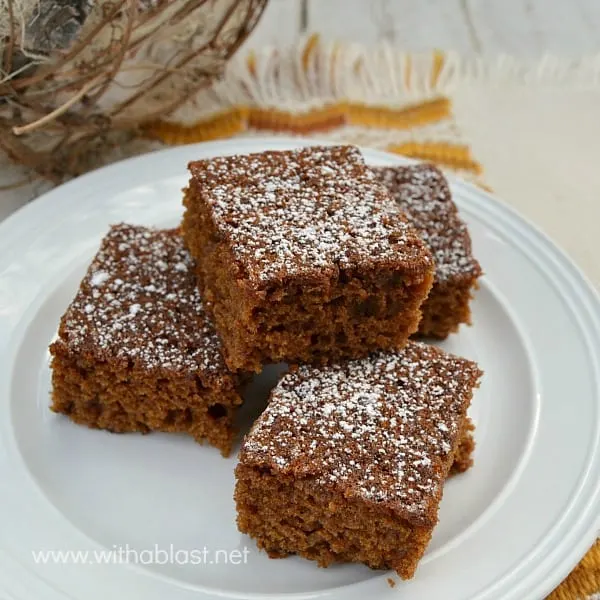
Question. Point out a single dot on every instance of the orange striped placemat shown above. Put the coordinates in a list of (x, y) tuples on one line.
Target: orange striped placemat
[(330, 120), (381, 98), (331, 94)]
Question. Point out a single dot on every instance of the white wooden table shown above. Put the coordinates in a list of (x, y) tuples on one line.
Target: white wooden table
[(524, 28)]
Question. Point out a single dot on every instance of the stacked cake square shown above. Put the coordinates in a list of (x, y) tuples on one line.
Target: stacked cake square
[(312, 258), (303, 256)]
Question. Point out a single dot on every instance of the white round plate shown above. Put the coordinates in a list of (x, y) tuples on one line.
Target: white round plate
[(152, 516)]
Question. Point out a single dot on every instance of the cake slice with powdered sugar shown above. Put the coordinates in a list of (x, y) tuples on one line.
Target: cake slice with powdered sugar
[(348, 461), (423, 194), (136, 350), (303, 256)]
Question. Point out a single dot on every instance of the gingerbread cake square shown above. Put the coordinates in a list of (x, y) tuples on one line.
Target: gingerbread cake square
[(348, 461), (136, 350), (303, 256), (422, 192)]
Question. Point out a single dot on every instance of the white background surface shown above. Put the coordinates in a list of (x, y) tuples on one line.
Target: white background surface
[(524, 28)]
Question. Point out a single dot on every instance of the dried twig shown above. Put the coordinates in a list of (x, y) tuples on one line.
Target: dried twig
[(53, 110), (52, 116), (118, 61)]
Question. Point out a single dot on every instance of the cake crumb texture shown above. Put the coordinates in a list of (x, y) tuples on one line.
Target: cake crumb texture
[(136, 350), (423, 194), (384, 428)]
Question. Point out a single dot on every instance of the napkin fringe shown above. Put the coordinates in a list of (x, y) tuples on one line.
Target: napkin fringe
[(313, 74)]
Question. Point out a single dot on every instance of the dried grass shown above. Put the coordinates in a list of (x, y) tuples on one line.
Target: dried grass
[(129, 65)]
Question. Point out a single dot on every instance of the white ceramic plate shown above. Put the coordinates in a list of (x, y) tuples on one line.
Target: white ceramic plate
[(512, 527)]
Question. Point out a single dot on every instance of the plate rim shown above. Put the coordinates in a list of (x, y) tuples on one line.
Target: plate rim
[(20, 217)]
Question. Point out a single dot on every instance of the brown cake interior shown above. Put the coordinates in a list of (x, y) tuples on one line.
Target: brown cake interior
[(305, 518), (422, 192), (332, 317), (447, 307), (136, 351), (297, 516), (105, 394), (303, 257), (463, 457), (348, 461)]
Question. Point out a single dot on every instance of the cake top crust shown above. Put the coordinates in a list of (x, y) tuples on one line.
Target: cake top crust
[(305, 213), (383, 428), (139, 302), (422, 192)]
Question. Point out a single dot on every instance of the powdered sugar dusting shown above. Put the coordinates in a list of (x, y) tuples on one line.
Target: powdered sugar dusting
[(139, 302), (305, 211), (98, 278), (422, 192), (383, 428)]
